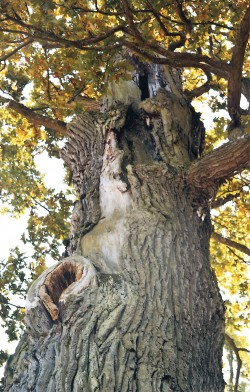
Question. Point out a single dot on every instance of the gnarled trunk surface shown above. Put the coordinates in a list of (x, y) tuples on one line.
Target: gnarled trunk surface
[(136, 306)]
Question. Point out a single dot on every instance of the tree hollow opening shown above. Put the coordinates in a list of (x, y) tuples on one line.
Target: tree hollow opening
[(57, 281), (143, 86)]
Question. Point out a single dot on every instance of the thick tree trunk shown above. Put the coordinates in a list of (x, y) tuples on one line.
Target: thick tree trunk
[(136, 306)]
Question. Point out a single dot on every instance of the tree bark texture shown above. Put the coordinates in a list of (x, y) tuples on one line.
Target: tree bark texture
[(135, 307)]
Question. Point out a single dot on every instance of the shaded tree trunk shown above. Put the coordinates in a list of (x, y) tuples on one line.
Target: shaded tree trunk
[(135, 307)]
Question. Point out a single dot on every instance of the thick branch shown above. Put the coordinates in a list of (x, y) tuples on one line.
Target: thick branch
[(232, 244), (151, 50), (234, 81), (220, 164), (35, 118), (176, 59)]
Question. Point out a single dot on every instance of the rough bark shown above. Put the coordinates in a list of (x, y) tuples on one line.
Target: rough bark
[(136, 306), (222, 163)]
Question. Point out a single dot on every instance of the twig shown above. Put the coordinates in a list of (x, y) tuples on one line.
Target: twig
[(10, 54), (16, 306)]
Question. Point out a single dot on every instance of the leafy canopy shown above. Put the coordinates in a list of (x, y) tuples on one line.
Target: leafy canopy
[(56, 59)]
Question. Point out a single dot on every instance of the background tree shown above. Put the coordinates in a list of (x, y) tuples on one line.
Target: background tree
[(77, 54)]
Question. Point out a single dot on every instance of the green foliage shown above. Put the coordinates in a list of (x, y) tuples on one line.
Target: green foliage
[(14, 276), (232, 266), (3, 357)]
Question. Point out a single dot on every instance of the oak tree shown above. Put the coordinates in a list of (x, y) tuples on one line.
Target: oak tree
[(134, 304)]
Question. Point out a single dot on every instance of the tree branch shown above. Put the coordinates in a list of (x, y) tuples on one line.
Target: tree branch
[(235, 75), (157, 16), (232, 244), (241, 259), (93, 11), (16, 306), (41, 205), (93, 40), (129, 16), (223, 200), (8, 55), (151, 50), (221, 164), (244, 349), (236, 350), (197, 92), (177, 59), (35, 118), (42, 35), (212, 23), (183, 16)]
